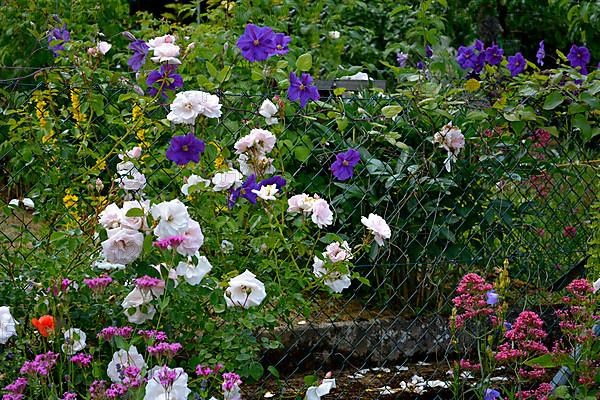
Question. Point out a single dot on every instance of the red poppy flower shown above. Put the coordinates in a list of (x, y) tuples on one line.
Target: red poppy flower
[(45, 325)]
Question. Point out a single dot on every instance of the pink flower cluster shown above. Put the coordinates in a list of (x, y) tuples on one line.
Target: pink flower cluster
[(112, 331), (471, 301), (170, 242), (206, 371), (15, 389), (97, 285), (541, 138), (148, 282), (231, 381), (82, 360), (541, 184), (159, 336), (42, 364), (164, 349), (541, 393)]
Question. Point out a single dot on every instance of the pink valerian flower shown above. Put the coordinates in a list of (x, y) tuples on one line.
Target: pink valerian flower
[(580, 288), (116, 391), (81, 360), (97, 285), (69, 396), (541, 393), (468, 365), (159, 336), (18, 386), (97, 390), (541, 184), (132, 376), (111, 331), (41, 365), (147, 283), (569, 231), (164, 349), (471, 301), (541, 138), (533, 374), (203, 371), (231, 386), (169, 243)]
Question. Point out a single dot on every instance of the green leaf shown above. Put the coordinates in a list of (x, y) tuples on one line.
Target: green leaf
[(212, 70), (135, 212), (391, 111), (304, 62), (310, 380), (553, 100), (301, 153), (256, 370), (273, 371), (551, 360)]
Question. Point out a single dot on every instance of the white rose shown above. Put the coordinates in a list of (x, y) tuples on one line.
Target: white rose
[(334, 280), (136, 298), (74, 341), (226, 180), (378, 227), (337, 252), (177, 390), (8, 325), (245, 291), (268, 110), (166, 52), (105, 265), (123, 246), (316, 392), (188, 105), (141, 314), (129, 177), (28, 203), (193, 239), (173, 218), (103, 47), (335, 35), (193, 274), (110, 217), (122, 359), (191, 183), (136, 223), (157, 41), (321, 213)]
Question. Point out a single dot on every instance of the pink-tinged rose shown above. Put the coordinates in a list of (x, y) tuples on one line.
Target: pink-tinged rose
[(166, 52), (245, 291), (321, 213), (378, 227), (123, 246), (300, 203), (193, 239), (110, 217), (337, 252)]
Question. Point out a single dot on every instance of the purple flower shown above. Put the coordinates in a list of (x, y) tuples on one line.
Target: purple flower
[(491, 298), (301, 89), (428, 51), (244, 191), (516, 64), (491, 394), (62, 36), (166, 78), (466, 57), (507, 326), (420, 65), (257, 43), (276, 180), (281, 43), (140, 50), (401, 59), (541, 53), (579, 57), (493, 55), (184, 149), (343, 166)]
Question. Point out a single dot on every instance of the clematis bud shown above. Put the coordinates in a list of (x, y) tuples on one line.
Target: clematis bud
[(128, 35)]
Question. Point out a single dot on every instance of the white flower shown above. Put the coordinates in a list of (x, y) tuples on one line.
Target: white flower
[(359, 76), (157, 41), (337, 282), (123, 246), (8, 325), (226, 180), (134, 222), (103, 47), (378, 227), (28, 203), (260, 165), (137, 297), (134, 153), (452, 140), (268, 110), (321, 213), (300, 203), (74, 341), (191, 183), (174, 390), (266, 192), (141, 314), (193, 239), (166, 52), (597, 285), (245, 291), (335, 35), (110, 217), (188, 105), (316, 392), (129, 177), (123, 359), (193, 274), (103, 264), (173, 218), (14, 202), (337, 252)]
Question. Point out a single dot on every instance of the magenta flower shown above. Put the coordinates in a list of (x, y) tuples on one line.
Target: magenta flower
[(579, 57), (516, 64), (569, 232), (302, 89), (140, 51), (257, 43), (343, 166), (184, 149)]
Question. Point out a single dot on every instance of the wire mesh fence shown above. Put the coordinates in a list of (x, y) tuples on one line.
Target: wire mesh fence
[(522, 197)]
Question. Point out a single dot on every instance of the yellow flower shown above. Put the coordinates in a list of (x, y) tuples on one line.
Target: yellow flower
[(76, 106), (100, 164), (70, 200), (136, 112), (472, 85), (219, 162)]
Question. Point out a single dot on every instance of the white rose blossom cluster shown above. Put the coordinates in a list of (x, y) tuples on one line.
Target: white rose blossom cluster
[(316, 207), (452, 140), (329, 266), (165, 50), (230, 179), (187, 106), (253, 149), (129, 177)]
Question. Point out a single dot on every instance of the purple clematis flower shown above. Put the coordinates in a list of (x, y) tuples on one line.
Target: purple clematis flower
[(491, 298), (466, 57), (541, 53), (516, 64), (428, 51), (493, 54), (401, 59), (164, 79), (343, 166), (302, 89), (491, 394), (244, 191), (257, 43), (276, 180), (61, 35), (184, 149), (281, 43), (579, 57), (140, 50)]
